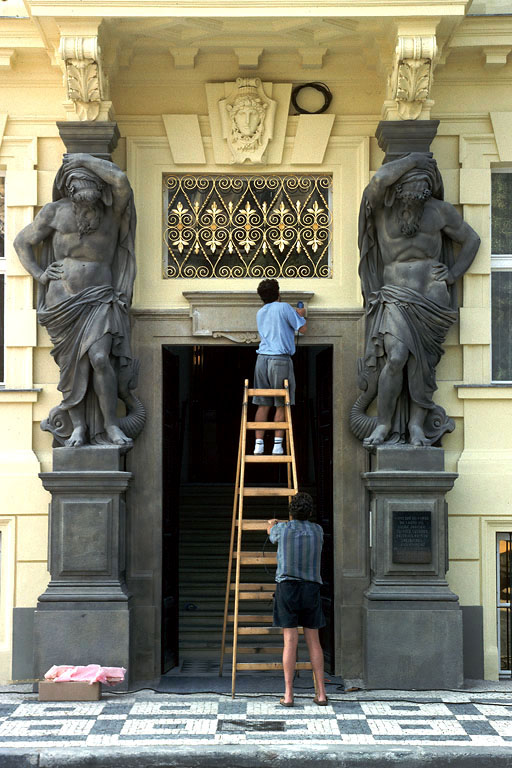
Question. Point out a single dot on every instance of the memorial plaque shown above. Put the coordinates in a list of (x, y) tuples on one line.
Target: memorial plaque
[(412, 537)]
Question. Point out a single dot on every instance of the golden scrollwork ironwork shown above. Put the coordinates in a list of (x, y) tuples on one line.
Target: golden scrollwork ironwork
[(261, 225)]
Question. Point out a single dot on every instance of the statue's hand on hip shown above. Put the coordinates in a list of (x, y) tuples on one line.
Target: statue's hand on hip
[(53, 272), (441, 273)]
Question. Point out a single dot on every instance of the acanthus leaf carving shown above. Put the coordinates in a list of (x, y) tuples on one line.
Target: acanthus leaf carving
[(86, 84), (410, 82)]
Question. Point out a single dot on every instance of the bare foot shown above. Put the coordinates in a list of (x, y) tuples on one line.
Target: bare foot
[(378, 436), (117, 436), (417, 435), (77, 437)]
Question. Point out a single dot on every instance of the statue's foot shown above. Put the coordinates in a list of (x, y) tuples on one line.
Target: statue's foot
[(117, 436), (377, 437), (417, 436), (77, 437)]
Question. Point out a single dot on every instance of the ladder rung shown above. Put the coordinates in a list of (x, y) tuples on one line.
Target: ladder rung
[(269, 392), (264, 631), (268, 425), (254, 587), (261, 491), (253, 525), (262, 665), (251, 618), (257, 558), (258, 649), (250, 459), (254, 596)]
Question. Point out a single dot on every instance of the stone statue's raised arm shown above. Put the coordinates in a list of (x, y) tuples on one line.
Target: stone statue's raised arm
[(108, 172), (389, 173)]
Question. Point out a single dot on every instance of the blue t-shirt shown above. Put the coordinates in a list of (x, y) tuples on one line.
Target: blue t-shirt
[(299, 550), (277, 323)]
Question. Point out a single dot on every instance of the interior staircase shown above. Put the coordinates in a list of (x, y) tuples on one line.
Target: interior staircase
[(205, 524)]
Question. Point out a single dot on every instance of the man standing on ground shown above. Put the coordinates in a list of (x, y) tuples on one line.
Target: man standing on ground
[(297, 599), (277, 324)]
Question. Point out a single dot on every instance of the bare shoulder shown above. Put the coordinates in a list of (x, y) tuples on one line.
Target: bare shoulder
[(50, 211), (446, 211)]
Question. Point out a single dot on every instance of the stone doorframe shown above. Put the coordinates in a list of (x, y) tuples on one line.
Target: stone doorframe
[(344, 330)]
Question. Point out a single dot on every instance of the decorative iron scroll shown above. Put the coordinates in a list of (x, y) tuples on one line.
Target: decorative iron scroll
[(260, 226)]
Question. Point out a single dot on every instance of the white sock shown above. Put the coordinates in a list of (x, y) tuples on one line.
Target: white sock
[(259, 441), (278, 440)]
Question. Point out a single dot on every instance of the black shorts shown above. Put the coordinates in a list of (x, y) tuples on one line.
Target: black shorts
[(298, 604)]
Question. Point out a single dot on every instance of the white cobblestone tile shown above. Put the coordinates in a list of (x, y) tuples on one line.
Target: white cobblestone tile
[(59, 709), (181, 707), (492, 710), (42, 727), (120, 716), (102, 740), (350, 716), (390, 709), (357, 738), (402, 727), (470, 717), (483, 740), (502, 727), (164, 725)]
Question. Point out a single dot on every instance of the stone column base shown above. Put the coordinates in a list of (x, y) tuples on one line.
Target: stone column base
[(413, 646)]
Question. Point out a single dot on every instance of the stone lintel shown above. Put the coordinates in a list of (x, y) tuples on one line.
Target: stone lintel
[(95, 138), (399, 137)]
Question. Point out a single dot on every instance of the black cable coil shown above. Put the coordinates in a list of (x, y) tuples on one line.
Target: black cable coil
[(321, 88)]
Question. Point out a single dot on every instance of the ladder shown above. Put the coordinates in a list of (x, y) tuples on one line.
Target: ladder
[(255, 624)]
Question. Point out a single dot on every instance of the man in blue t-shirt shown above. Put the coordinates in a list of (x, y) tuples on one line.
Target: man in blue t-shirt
[(277, 323), (297, 601)]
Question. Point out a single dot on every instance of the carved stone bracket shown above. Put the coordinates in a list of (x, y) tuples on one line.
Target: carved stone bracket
[(85, 79), (410, 82)]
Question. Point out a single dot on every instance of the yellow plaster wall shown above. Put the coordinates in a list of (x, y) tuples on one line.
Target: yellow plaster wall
[(480, 447)]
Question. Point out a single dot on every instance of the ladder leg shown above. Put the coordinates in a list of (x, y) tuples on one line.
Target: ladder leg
[(243, 439), (231, 543)]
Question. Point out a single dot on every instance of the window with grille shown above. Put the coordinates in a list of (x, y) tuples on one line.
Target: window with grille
[(503, 583), (501, 275), (235, 226)]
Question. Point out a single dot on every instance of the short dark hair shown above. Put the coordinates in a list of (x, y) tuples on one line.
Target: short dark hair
[(268, 291), (301, 506)]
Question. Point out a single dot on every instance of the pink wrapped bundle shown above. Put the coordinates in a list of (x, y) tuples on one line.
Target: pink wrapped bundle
[(92, 673)]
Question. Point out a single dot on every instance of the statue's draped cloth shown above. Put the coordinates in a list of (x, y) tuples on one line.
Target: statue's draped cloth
[(82, 319), (416, 321)]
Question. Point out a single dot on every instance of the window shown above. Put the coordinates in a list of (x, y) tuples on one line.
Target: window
[(503, 583), (501, 274), (259, 226)]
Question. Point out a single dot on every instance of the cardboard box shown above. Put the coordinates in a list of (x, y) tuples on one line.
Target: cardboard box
[(73, 691)]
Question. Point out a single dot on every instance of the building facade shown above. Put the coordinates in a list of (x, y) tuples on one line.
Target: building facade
[(210, 192)]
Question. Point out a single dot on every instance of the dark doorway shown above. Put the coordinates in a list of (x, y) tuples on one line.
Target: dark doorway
[(202, 396)]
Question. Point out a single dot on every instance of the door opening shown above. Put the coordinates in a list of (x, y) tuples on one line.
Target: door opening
[(202, 397)]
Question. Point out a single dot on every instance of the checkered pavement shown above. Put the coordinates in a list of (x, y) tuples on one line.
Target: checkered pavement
[(167, 720)]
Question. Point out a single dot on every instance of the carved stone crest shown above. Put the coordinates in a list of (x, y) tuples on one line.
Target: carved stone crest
[(247, 118)]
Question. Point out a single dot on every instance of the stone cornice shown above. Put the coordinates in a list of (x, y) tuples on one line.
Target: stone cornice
[(209, 8)]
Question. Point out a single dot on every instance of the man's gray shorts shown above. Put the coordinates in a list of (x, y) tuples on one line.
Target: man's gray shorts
[(270, 373)]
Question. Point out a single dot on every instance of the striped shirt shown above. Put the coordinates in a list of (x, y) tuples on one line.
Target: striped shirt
[(299, 550)]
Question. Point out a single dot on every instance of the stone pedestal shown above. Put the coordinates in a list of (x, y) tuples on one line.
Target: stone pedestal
[(95, 138), (83, 617), (412, 620), (399, 137)]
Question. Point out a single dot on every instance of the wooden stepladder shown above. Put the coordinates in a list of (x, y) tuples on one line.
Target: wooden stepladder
[(250, 624)]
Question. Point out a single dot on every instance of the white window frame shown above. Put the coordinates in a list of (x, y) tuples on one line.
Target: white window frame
[(499, 263)]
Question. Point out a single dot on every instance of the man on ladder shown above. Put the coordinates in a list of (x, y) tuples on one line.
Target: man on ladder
[(297, 599), (277, 323)]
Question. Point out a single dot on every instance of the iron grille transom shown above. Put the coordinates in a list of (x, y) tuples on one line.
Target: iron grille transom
[(269, 225)]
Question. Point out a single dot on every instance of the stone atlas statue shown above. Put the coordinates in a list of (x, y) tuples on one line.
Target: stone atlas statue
[(86, 270), (408, 272)]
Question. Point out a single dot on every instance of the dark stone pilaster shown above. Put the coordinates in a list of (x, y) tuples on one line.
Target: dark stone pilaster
[(99, 139), (398, 137), (83, 617), (412, 620)]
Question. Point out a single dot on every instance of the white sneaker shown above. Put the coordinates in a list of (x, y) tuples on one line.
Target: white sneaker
[(277, 450), (259, 449)]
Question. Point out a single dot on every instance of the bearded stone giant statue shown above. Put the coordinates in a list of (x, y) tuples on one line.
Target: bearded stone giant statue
[(408, 274), (86, 272)]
